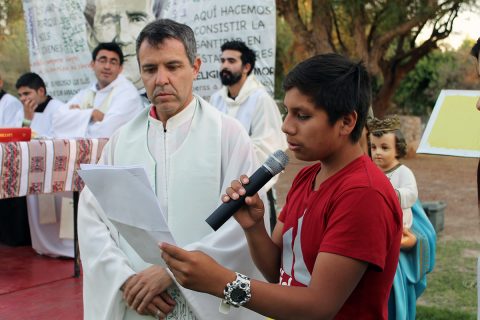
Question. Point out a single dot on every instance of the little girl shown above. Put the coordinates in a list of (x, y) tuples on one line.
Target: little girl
[(387, 146), (417, 254)]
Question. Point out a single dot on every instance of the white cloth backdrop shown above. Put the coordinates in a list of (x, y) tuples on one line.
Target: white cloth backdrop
[(59, 52)]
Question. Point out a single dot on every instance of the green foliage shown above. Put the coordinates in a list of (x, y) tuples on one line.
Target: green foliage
[(439, 70), (282, 61), (452, 284), (432, 313), (13, 48)]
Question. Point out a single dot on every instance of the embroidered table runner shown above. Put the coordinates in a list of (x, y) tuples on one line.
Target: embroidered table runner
[(45, 166)]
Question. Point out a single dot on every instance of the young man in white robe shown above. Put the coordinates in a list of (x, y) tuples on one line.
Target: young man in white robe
[(38, 107), (103, 107), (38, 112), (246, 99), (191, 152)]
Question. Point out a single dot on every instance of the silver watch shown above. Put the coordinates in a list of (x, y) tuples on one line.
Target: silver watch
[(237, 292)]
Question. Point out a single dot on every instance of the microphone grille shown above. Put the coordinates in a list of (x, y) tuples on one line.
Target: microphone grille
[(276, 162)]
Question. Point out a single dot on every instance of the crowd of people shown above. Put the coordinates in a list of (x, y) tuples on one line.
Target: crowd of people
[(350, 241)]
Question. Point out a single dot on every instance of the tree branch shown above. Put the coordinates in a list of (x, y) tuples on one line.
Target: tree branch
[(289, 10), (337, 30), (322, 31)]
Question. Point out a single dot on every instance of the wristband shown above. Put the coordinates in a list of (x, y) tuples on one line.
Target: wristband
[(26, 122)]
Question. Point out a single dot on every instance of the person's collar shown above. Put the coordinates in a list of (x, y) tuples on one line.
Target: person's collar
[(250, 84), (177, 120), (41, 106), (2, 93), (237, 87), (110, 86)]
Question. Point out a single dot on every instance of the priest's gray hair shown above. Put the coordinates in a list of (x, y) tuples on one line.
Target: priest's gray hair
[(157, 31)]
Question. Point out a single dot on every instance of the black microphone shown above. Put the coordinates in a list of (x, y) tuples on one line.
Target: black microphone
[(275, 163)]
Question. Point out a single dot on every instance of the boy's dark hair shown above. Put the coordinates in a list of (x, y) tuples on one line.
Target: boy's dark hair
[(109, 46), (334, 84), (247, 54), (31, 80), (400, 142), (476, 49), (157, 31)]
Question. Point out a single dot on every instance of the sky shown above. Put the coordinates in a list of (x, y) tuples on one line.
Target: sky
[(466, 25)]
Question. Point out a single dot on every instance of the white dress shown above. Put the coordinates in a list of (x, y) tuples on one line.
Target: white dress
[(403, 181)]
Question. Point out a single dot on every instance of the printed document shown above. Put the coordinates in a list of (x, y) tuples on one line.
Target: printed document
[(126, 197)]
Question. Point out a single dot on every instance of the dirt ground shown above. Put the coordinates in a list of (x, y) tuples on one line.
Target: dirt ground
[(451, 180)]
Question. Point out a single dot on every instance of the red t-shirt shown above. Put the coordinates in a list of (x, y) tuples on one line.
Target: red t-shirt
[(354, 213)]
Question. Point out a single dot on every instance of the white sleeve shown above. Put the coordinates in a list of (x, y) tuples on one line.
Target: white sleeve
[(71, 123), (124, 106), (105, 267), (406, 186), (266, 131), (12, 112)]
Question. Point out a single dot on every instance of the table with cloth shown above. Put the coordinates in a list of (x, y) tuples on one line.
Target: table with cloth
[(40, 167)]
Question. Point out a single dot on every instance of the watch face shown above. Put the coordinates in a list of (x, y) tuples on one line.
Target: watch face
[(238, 295)]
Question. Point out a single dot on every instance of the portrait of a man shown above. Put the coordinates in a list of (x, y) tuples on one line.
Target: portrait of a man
[(120, 21)]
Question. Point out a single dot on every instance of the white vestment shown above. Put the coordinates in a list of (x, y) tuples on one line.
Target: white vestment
[(119, 101), (403, 181), (189, 163), (42, 121), (45, 236), (11, 109), (259, 115)]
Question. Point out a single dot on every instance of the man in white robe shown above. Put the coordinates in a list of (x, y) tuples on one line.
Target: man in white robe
[(246, 99), (9, 108), (38, 107), (43, 219), (191, 152), (103, 107)]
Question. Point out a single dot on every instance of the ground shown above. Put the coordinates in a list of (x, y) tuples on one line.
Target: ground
[(451, 180)]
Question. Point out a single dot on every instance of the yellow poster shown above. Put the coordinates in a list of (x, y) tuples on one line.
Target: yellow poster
[(454, 126)]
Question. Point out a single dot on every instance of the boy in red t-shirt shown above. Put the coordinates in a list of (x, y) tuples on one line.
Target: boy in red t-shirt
[(335, 248)]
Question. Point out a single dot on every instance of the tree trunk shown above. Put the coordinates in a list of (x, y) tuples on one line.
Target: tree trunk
[(381, 103)]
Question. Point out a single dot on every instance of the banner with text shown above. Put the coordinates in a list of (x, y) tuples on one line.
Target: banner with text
[(57, 45), (62, 34), (215, 22)]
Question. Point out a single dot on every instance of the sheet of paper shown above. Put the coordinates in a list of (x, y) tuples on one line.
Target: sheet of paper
[(46, 209), (144, 242), (66, 218), (125, 195)]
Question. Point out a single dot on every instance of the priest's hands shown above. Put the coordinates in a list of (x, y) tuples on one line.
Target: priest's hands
[(196, 271), (146, 292), (252, 212)]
